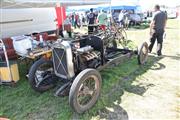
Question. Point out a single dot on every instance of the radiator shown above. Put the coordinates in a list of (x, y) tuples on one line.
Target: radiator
[(63, 60)]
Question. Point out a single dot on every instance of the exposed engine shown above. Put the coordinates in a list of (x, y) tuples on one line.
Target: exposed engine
[(88, 57), (77, 55)]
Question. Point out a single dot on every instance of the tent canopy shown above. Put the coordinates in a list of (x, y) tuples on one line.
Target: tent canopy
[(113, 5), (123, 7), (6, 4)]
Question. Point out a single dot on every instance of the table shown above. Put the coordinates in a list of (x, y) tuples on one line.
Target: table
[(35, 53)]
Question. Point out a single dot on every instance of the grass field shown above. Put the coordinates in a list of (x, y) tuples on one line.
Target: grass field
[(129, 91)]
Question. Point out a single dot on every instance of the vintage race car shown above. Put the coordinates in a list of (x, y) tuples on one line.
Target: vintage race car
[(77, 62)]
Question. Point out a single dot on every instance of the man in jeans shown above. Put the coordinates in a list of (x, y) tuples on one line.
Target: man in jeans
[(91, 20), (157, 28)]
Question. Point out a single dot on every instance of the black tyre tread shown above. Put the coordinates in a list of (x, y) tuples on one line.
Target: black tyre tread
[(121, 31), (32, 72), (139, 52), (125, 34), (85, 73)]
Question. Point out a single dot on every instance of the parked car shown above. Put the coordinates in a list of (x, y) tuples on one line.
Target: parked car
[(135, 19)]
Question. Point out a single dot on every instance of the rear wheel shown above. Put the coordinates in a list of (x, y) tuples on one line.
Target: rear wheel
[(122, 37), (143, 53), (41, 75), (123, 34), (85, 90)]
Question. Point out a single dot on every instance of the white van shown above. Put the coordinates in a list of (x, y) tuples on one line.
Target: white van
[(20, 21)]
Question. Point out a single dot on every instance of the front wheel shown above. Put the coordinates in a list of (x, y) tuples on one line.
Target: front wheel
[(41, 75), (85, 90)]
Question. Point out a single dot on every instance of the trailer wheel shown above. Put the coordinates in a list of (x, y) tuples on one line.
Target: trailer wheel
[(41, 77), (85, 90), (143, 53)]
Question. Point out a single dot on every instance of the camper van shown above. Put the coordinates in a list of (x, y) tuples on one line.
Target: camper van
[(26, 20)]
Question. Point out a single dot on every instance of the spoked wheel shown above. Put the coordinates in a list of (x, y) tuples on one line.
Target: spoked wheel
[(85, 90), (143, 53), (123, 34), (112, 44), (122, 37), (41, 77)]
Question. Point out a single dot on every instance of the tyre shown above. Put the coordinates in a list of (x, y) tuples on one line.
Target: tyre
[(114, 44), (85, 90), (143, 53), (122, 37), (123, 34), (111, 43), (41, 75)]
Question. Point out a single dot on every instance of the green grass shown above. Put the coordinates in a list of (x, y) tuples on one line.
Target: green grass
[(141, 26), (22, 103)]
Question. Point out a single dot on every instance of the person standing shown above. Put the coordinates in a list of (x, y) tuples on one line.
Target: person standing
[(109, 16), (126, 20), (91, 17), (121, 18), (81, 20), (67, 25), (157, 28), (102, 20), (76, 21), (73, 19)]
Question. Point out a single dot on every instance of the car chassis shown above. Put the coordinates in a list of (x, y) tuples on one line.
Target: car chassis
[(78, 62)]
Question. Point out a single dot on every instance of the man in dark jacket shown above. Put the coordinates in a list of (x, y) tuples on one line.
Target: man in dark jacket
[(157, 28), (91, 21)]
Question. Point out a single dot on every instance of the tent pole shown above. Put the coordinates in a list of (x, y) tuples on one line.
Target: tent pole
[(110, 7), (110, 12)]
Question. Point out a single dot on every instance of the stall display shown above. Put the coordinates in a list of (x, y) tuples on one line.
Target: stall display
[(22, 44), (32, 46), (8, 69)]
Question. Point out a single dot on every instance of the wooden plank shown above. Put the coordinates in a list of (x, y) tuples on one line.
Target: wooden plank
[(39, 53)]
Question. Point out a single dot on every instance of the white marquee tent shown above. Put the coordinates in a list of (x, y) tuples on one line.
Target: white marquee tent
[(47, 3)]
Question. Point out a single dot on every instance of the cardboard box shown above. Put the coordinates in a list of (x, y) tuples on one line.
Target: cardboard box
[(5, 74)]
